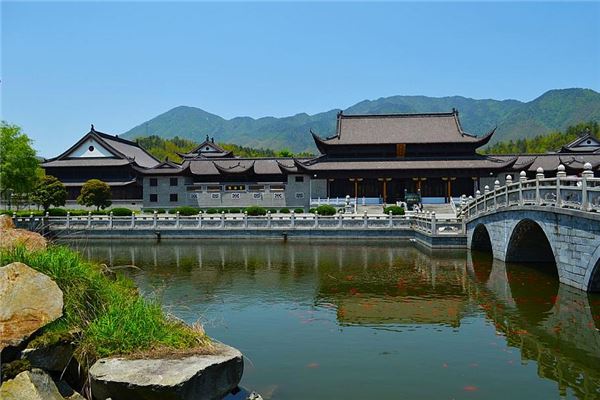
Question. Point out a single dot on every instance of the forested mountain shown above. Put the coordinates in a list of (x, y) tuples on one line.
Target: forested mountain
[(553, 111), (168, 148), (544, 143)]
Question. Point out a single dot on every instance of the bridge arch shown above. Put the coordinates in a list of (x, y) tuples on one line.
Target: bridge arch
[(480, 239), (529, 243), (594, 273)]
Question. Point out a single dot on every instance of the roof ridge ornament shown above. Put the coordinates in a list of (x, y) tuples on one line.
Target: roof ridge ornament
[(92, 128)]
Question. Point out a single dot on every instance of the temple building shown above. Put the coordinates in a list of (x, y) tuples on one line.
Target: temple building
[(109, 158), (377, 159)]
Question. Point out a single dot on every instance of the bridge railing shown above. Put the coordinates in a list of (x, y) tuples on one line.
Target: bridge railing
[(424, 222), (581, 193)]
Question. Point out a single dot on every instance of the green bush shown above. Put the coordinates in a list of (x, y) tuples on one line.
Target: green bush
[(326, 209), (233, 211), (284, 210), (99, 212), (312, 210), (78, 212), (298, 210), (57, 212), (121, 212), (27, 213), (272, 210), (151, 210), (184, 210), (256, 210), (395, 210), (212, 211)]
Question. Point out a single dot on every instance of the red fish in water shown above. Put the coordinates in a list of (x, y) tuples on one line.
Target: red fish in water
[(470, 388), (312, 365)]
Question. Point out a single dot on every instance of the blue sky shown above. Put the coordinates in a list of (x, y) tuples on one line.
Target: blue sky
[(114, 64)]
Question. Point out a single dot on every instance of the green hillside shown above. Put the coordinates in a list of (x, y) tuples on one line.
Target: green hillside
[(553, 111), (544, 143)]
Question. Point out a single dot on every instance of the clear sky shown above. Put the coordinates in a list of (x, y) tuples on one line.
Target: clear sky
[(114, 64)]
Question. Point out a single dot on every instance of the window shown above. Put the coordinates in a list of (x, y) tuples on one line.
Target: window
[(173, 197), (153, 197), (173, 181), (235, 187), (299, 179), (256, 188), (299, 195), (91, 148), (213, 188), (153, 182), (277, 188)]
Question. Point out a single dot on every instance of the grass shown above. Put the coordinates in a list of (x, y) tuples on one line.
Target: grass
[(103, 312)]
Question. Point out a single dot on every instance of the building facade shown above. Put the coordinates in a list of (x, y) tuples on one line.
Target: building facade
[(374, 158)]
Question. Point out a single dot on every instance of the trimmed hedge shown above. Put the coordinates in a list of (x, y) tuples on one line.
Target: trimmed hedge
[(151, 210), (121, 212), (326, 209), (272, 210), (256, 210), (184, 210), (233, 211), (284, 210), (57, 212), (212, 211), (312, 210), (299, 210), (395, 210)]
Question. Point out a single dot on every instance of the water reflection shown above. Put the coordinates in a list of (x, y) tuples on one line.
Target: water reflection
[(554, 325), (430, 311)]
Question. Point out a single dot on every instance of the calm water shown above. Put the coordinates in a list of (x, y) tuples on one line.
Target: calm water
[(336, 320)]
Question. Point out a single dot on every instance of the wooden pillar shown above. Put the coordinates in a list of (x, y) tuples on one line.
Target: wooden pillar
[(384, 191), (418, 185)]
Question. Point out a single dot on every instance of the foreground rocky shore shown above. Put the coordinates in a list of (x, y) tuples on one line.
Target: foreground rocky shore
[(46, 355)]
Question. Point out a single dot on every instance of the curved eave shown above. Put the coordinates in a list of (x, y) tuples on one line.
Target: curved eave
[(482, 141), (286, 168), (321, 143), (234, 170)]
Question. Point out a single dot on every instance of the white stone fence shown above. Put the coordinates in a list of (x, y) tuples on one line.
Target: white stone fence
[(424, 222), (580, 193)]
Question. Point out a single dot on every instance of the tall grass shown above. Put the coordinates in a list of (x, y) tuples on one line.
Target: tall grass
[(103, 312)]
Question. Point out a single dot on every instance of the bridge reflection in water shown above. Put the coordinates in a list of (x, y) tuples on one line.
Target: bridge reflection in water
[(384, 288)]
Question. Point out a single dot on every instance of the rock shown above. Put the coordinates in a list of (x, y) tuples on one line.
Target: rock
[(209, 376), (6, 222), (67, 391), (11, 238), (30, 385), (53, 358), (29, 301)]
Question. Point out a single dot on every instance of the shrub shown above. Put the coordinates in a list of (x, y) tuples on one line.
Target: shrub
[(184, 210), (78, 212), (212, 211), (312, 210), (272, 210), (233, 211), (121, 212), (284, 210), (95, 193), (395, 210), (151, 210), (298, 210), (256, 210), (49, 192), (57, 212), (326, 209), (27, 213), (99, 212)]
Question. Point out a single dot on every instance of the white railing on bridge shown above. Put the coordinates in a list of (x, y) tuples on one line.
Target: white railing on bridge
[(424, 222), (580, 193)]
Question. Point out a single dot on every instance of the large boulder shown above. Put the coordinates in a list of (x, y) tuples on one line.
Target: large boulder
[(11, 238), (29, 301), (6, 222), (195, 377), (30, 385)]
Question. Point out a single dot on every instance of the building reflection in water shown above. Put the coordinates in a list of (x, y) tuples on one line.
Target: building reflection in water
[(387, 287)]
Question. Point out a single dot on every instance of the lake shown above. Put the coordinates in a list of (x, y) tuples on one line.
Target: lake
[(379, 319)]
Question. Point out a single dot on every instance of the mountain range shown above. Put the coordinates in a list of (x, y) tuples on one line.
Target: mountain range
[(554, 110)]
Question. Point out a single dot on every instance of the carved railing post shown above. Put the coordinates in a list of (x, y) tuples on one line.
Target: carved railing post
[(110, 220), (177, 221), (245, 219), (154, 219), (433, 223), (268, 219), (365, 219), (292, 219), (89, 220), (340, 221), (391, 220), (496, 189), (585, 175), (507, 182), (132, 220), (222, 219), (559, 175), (68, 225), (538, 176), (199, 219), (522, 179)]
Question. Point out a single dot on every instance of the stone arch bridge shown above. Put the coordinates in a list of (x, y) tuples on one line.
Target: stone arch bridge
[(553, 220)]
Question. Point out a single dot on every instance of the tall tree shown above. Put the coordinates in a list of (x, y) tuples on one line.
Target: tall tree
[(95, 193), (50, 192), (19, 167)]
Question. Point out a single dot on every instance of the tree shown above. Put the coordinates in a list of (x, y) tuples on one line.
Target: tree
[(285, 153), (50, 192), (19, 167), (95, 193)]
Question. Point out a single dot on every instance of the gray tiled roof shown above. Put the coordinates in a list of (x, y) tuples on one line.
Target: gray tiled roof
[(87, 162), (408, 164), (550, 162), (131, 150), (400, 128)]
